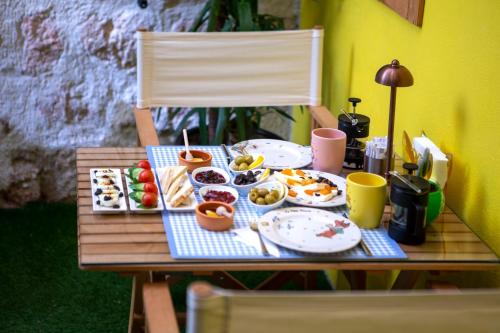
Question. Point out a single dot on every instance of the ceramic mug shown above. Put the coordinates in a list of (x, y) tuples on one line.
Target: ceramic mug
[(328, 149), (366, 197), (435, 205)]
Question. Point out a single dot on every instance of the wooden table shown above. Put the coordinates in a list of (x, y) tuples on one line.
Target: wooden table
[(137, 243)]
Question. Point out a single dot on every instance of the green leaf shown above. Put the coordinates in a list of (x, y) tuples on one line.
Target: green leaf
[(214, 15), (184, 121), (282, 113), (222, 117), (201, 18), (202, 125), (245, 16)]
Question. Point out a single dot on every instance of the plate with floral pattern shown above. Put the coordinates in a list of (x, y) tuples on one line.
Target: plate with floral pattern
[(278, 154), (309, 230)]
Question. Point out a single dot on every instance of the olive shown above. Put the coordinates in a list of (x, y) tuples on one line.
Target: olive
[(254, 190), (248, 159), (239, 160), (275, 194), (253, 196), (243, 166), (260, 201), (262, 192), (270, 199)]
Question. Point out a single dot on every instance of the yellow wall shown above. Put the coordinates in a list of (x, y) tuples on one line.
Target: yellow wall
[(455, 61)]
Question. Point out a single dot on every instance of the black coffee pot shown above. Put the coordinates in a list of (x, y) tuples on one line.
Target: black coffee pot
[(409, 209)]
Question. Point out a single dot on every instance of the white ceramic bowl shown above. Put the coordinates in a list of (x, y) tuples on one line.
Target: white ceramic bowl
[(215, 169), (222, 188), (269, 186), (236, 172), (243, 189)]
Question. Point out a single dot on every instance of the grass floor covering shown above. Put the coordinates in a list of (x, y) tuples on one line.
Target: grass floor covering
[(42, 289)]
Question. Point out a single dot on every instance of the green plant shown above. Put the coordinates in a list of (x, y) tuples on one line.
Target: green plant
[(215, 123)]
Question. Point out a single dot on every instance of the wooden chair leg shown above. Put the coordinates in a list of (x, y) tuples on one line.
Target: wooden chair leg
[(136, 317)]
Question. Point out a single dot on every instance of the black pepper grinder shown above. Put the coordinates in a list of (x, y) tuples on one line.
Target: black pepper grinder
[(356, 126), (409, 207)]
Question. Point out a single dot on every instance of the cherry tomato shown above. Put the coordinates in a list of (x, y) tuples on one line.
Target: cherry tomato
[(146, 176), (150, 188), (149, 200), (144, 164)]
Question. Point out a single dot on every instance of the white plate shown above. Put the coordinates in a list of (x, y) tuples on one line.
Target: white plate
[(338, 200), (134, 205), (307, 229), (108, 210), (278, 154)]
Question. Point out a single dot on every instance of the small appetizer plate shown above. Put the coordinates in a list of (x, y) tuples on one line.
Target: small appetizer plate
[(134, 206), (103, 180)]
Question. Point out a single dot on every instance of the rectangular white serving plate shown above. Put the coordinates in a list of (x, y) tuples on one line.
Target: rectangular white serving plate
[(133, 205), (108, 210), (181, 208)]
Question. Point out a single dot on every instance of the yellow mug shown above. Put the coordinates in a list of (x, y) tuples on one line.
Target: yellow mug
[(366, 197)]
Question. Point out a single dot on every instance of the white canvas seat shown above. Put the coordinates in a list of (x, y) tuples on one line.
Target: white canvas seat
[(228, 69)]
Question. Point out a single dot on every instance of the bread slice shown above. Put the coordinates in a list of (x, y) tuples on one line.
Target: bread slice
[(165, 178), (182, 194), (174, 187)]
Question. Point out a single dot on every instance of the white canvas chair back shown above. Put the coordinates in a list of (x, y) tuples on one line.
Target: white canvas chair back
[(254, 312), (216, 69)]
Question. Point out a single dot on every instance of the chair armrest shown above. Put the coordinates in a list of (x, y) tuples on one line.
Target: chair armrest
[(323, 117), (159, 309), (146, 131)]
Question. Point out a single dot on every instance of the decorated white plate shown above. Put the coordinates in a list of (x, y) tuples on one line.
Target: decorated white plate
[(310, 230), (317, 200), (278, 154)]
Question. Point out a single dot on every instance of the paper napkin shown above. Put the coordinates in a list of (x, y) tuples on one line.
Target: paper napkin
[(251, 238)]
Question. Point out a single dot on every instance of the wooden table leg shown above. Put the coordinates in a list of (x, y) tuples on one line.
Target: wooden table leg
[(136, 317), (406, 280)]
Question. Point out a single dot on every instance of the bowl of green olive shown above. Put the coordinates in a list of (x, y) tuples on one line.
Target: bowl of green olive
[(267, 196), (243, 163)]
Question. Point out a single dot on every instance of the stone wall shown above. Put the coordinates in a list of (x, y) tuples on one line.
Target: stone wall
[(67, 72)]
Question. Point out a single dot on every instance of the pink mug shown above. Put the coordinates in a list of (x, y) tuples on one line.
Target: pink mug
[(328, 149)]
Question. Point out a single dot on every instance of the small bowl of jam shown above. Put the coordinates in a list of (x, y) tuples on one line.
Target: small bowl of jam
[(219, 193), (210, 176)]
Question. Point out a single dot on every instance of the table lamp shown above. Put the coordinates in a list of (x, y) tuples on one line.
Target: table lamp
[(393, 75)]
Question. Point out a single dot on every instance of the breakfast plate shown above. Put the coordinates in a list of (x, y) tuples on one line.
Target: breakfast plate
[(107, 191), (278, 154), (176, 189), (313, 188), (309, 230)]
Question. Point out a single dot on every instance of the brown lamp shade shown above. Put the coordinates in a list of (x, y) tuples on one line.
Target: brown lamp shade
[(394, 75)]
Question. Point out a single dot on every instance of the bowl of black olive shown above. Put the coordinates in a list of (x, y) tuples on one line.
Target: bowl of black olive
[(243, 182)]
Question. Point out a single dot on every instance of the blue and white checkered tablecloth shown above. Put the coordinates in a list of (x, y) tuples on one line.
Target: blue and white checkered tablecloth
[(188, 241)]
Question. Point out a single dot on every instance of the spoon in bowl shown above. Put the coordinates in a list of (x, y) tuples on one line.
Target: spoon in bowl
[(222, 211), (189, 156)]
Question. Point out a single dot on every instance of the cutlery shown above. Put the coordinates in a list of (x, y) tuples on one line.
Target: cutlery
[(189, 157), (365, 248), (255, 227), (222, 211), (226, 152)]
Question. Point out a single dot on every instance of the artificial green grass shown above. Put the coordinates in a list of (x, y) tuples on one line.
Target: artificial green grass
[(41, 287), (43, 290)]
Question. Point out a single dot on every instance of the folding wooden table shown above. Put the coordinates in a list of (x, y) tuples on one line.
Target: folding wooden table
[(137, 244)]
